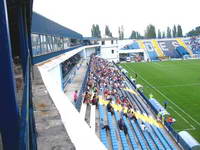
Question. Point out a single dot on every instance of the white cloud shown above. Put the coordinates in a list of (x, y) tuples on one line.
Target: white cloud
[(79, 15)]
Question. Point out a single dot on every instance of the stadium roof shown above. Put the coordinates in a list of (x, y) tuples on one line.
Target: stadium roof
[(42, 25), (91, 38)]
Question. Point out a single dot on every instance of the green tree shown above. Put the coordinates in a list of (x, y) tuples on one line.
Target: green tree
[(93, 30), (179, 31), (121, 32), (174, 31), (135, 35), (107, 31), (150, 32), (159, 34), (96, 31), (163, 34), (169, 34), (194, 32)]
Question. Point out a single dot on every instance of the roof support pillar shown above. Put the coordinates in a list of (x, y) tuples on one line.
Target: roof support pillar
[(9, 116)]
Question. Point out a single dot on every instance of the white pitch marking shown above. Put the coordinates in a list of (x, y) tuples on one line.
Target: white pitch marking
[(168, 99), (178, 85)]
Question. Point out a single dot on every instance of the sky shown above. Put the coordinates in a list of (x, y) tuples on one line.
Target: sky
[(79, 15)]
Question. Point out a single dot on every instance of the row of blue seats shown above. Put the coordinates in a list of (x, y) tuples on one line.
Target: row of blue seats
[(130, 134), (181, 50), (122, 135), (152, 55), (139, 136), (162, 140), (139, 104), (160, 130), (133, 45), (147, 137), (112, 132), (166, 138), (155, 139), (124, 93), (168, 141), (102, 131)]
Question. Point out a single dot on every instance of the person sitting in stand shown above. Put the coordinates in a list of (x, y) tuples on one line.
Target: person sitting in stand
[(122, 126), (118, 101), (106, 91), (125, 101), (123, 113), (109, 98), (95, 89), (87, 97), (110, 108), (144, 127), (95, 100), (103, 125), (132, 115)]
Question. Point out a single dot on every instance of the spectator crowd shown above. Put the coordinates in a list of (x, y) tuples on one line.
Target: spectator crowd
[(106, 80)]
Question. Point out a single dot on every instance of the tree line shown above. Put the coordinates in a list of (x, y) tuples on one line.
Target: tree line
[(149, 33)]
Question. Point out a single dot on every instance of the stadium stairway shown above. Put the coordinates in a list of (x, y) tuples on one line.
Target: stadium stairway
[(157, 48), (180, 41)]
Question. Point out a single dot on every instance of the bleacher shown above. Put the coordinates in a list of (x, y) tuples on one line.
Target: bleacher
[(69, 69), (169, 49), (155, 137), (133, 45), (152, 54), (181, 50), (193, 44)]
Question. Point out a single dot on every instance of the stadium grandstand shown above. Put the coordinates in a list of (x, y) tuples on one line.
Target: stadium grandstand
[(60, 90)]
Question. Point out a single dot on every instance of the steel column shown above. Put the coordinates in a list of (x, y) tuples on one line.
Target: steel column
[(9, 116)]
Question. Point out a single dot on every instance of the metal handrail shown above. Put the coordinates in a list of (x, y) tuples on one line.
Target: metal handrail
[(27, 122)]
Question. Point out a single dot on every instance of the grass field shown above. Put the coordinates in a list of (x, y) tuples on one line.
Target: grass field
[(178, 82)]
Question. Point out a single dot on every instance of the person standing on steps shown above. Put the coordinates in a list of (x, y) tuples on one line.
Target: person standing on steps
[(75, 96)]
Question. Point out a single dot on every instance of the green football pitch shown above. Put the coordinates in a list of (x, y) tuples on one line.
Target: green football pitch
[(178, 83)]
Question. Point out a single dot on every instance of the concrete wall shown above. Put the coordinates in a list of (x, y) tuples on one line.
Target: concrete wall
[(55, 74), (80, 134), (110, 52)]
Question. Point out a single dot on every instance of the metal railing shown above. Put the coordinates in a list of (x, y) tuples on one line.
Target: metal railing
[(40, 52), (27, 122)]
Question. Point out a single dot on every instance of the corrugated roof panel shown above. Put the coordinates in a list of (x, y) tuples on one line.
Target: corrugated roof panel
[(42, 25)]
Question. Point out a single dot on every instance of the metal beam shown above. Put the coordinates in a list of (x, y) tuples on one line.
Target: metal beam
[(9, 116)]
